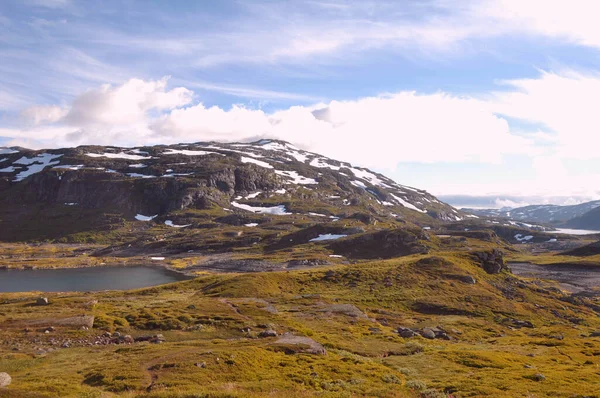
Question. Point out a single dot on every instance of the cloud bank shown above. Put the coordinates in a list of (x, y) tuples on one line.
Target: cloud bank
[(376, 131)]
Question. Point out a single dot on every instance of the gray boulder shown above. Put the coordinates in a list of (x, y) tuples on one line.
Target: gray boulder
[(5, 379), (42, 301), (428, 333)]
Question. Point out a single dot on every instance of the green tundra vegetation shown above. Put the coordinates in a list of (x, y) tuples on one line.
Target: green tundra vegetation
[(503, 336), (413, 300)]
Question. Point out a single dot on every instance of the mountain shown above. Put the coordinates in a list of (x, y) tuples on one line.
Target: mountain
[(546, 214), (110, 194), (589, 220)]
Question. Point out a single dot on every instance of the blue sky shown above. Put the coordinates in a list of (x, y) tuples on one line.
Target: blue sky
[(486, 97)]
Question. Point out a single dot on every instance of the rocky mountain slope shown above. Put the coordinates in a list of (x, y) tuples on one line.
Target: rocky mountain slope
[(545, 214), (102, 194), (588, 220)]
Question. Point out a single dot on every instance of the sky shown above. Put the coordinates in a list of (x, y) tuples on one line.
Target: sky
[(491, 99)]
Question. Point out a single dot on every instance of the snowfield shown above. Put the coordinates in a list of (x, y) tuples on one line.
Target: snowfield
[(276, 210), (323, 237), (141, 217), (121, 155)]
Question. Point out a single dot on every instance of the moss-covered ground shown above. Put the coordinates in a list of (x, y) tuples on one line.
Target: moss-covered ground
[(353, 310)]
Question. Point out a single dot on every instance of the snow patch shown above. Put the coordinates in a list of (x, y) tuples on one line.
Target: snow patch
[(137, 175), (256, 162), (296, 178), (141, 217), (7, 151), (322, 164), (522, 238), (188, 152), (170, 224), (407, 204), (121, 155), (276, 210), (323, 237), (36, 164)]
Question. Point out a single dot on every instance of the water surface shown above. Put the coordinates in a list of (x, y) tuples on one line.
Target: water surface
[(575, 231), (86, 279)]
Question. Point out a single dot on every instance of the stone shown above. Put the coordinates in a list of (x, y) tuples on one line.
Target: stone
[(42, 301), (292, 344), (267, 333), (468, 279), (538, 377), (5, 379), (126, 339), (406, 332), (428, 333), (158, 339)]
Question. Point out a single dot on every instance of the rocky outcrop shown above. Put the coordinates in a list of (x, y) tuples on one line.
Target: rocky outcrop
[(94, 188), (291, 344), (491, 261), (382, 244)]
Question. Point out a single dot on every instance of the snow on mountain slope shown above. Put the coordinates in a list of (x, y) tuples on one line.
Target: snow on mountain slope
[(267, 178), (548, 214)]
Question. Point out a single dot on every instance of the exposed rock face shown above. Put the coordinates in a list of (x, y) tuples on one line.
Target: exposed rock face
[(5, 379), (491, 261), (91, 188), (291, 344)]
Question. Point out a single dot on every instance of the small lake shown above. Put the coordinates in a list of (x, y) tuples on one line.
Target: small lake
[(574, 231), (86, 279)]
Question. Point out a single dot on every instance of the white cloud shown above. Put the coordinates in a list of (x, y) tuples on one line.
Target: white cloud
[(565, 103), (573, 21), (375, 131), (37, 115), (126, 104)]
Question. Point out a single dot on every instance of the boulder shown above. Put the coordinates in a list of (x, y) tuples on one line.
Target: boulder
[(267, 333), (406, 332), (42, 301), (428, 333), (5, 379), (292, 344), (491, 261)]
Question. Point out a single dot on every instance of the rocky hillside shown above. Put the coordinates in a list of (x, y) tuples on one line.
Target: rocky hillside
[(589, 220), (93, 193), (545, 214)]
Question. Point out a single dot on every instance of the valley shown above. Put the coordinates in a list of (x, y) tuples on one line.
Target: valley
[(289, 274)]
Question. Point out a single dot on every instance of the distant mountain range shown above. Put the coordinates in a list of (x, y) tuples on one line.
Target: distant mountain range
[(583, 216)]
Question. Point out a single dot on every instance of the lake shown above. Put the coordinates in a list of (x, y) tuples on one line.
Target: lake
[(86, 279), (575, 231)]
